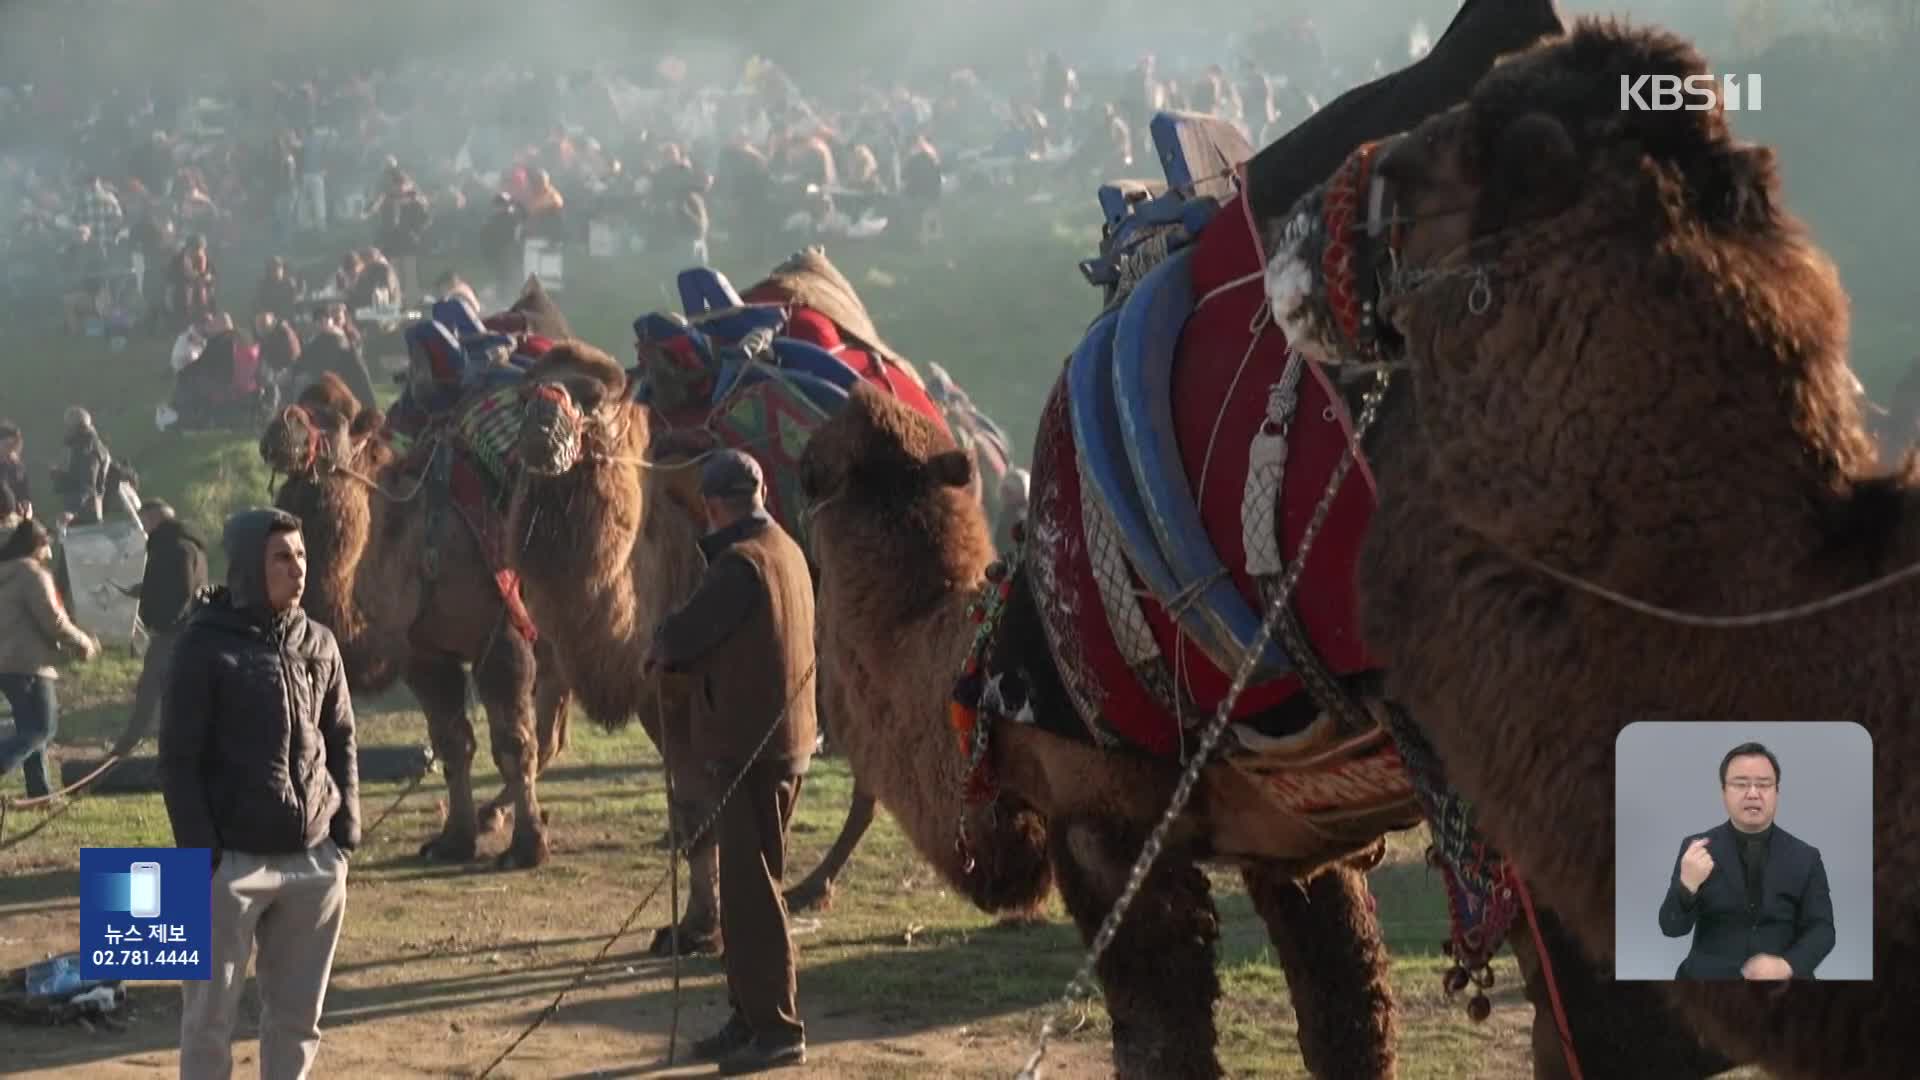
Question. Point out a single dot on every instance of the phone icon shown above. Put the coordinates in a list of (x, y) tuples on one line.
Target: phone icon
[(143, 895)]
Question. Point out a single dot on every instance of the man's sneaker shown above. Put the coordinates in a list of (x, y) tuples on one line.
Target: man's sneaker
[(758, 1056), (735, 1035)]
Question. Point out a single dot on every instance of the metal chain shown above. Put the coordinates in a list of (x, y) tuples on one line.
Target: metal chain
[(1082, 981)]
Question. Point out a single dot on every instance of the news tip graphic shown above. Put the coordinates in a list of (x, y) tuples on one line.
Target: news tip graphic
[(146, 913)]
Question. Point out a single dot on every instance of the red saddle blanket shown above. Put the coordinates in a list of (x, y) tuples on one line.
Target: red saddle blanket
[(476, 498), (808, 325), (1219, 393)]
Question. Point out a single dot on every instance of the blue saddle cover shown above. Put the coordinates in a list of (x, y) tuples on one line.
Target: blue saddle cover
[(790, 354), (704, 290), (1120, 390), (1097, 436), (825, 396), (454, 314), (733, 324)]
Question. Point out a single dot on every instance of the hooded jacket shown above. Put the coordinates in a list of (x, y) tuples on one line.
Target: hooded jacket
[(256, 739)]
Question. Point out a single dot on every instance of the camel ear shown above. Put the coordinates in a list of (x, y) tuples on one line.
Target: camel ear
[(953, 468), (1737, 185)]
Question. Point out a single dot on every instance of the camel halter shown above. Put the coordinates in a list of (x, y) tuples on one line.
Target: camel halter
[(317, 463)]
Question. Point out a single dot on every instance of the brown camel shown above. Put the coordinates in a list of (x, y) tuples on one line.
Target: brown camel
[(607, 547), (367, 522), (1629, 373), (903, 551)]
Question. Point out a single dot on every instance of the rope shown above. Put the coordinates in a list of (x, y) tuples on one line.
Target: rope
[(366, 834), (8, 805), (1209, 739), (673, 869), (553, 1007), (1768, 617), (1553, 986)]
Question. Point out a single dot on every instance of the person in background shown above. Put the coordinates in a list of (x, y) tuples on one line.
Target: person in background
[(191, 284), (402, 216), (348, 273), (81, 480), (331, 348), (279, 292), (257, 764), (99, 210), (35, 635), (502, 241), (13, 470), (176, 573), (279, 345), (545, 207)]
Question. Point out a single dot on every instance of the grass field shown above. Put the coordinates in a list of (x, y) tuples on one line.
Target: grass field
[(441, 967)]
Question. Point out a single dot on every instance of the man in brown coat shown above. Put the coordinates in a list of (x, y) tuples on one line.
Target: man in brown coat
[(746, 636)]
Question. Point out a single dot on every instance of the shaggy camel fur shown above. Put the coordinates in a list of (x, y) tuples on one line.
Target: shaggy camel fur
[(903, 551), (365, 534), (1657, 402), (607, 548)]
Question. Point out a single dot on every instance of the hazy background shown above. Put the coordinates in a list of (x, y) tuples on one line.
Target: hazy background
[(1839, 74)]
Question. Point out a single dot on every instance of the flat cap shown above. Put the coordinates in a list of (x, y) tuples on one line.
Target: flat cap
[(730, 474)]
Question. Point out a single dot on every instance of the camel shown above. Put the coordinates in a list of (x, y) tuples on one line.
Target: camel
[(366, 532), (904, 552), (1626, 382), (606, 546)]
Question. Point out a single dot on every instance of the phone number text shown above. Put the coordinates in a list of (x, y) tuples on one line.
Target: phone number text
[(144, 957)]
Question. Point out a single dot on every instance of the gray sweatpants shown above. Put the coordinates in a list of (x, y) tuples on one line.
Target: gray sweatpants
[(292, 906)]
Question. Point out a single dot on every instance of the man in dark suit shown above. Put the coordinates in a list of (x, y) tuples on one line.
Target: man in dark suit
[(1754, 896)]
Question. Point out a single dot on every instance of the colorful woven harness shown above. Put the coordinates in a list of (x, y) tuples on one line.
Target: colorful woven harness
[(963, 712)]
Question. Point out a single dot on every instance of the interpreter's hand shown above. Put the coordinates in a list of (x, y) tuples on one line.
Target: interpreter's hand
[(1766, 966), (91, 649), (1695, 864)]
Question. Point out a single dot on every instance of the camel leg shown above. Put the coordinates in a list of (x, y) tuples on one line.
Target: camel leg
[(816, 892), (699, 928), (552, 701), (1158, 973), (505, 677), (552, 698), (1618, 1028), (1328, 940), (440, 686)]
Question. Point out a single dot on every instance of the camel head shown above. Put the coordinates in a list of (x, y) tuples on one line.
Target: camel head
[(325, 427), (578, 403), (1596, 301), (879, 451), (887, 489)]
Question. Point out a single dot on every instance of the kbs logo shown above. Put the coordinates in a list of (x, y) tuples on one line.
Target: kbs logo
[(1697, 93)]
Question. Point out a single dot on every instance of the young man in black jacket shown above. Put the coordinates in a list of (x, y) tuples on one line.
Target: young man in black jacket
[(257, 763), (176, 573)]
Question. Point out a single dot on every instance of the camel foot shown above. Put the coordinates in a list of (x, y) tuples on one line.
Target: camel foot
[(450, 847), (811, 896), (694, 941), (523, 854)]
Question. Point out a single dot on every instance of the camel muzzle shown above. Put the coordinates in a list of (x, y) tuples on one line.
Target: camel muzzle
[(551, 437)]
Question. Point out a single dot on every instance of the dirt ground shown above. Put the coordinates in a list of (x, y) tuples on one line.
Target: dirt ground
[(441, 967)]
